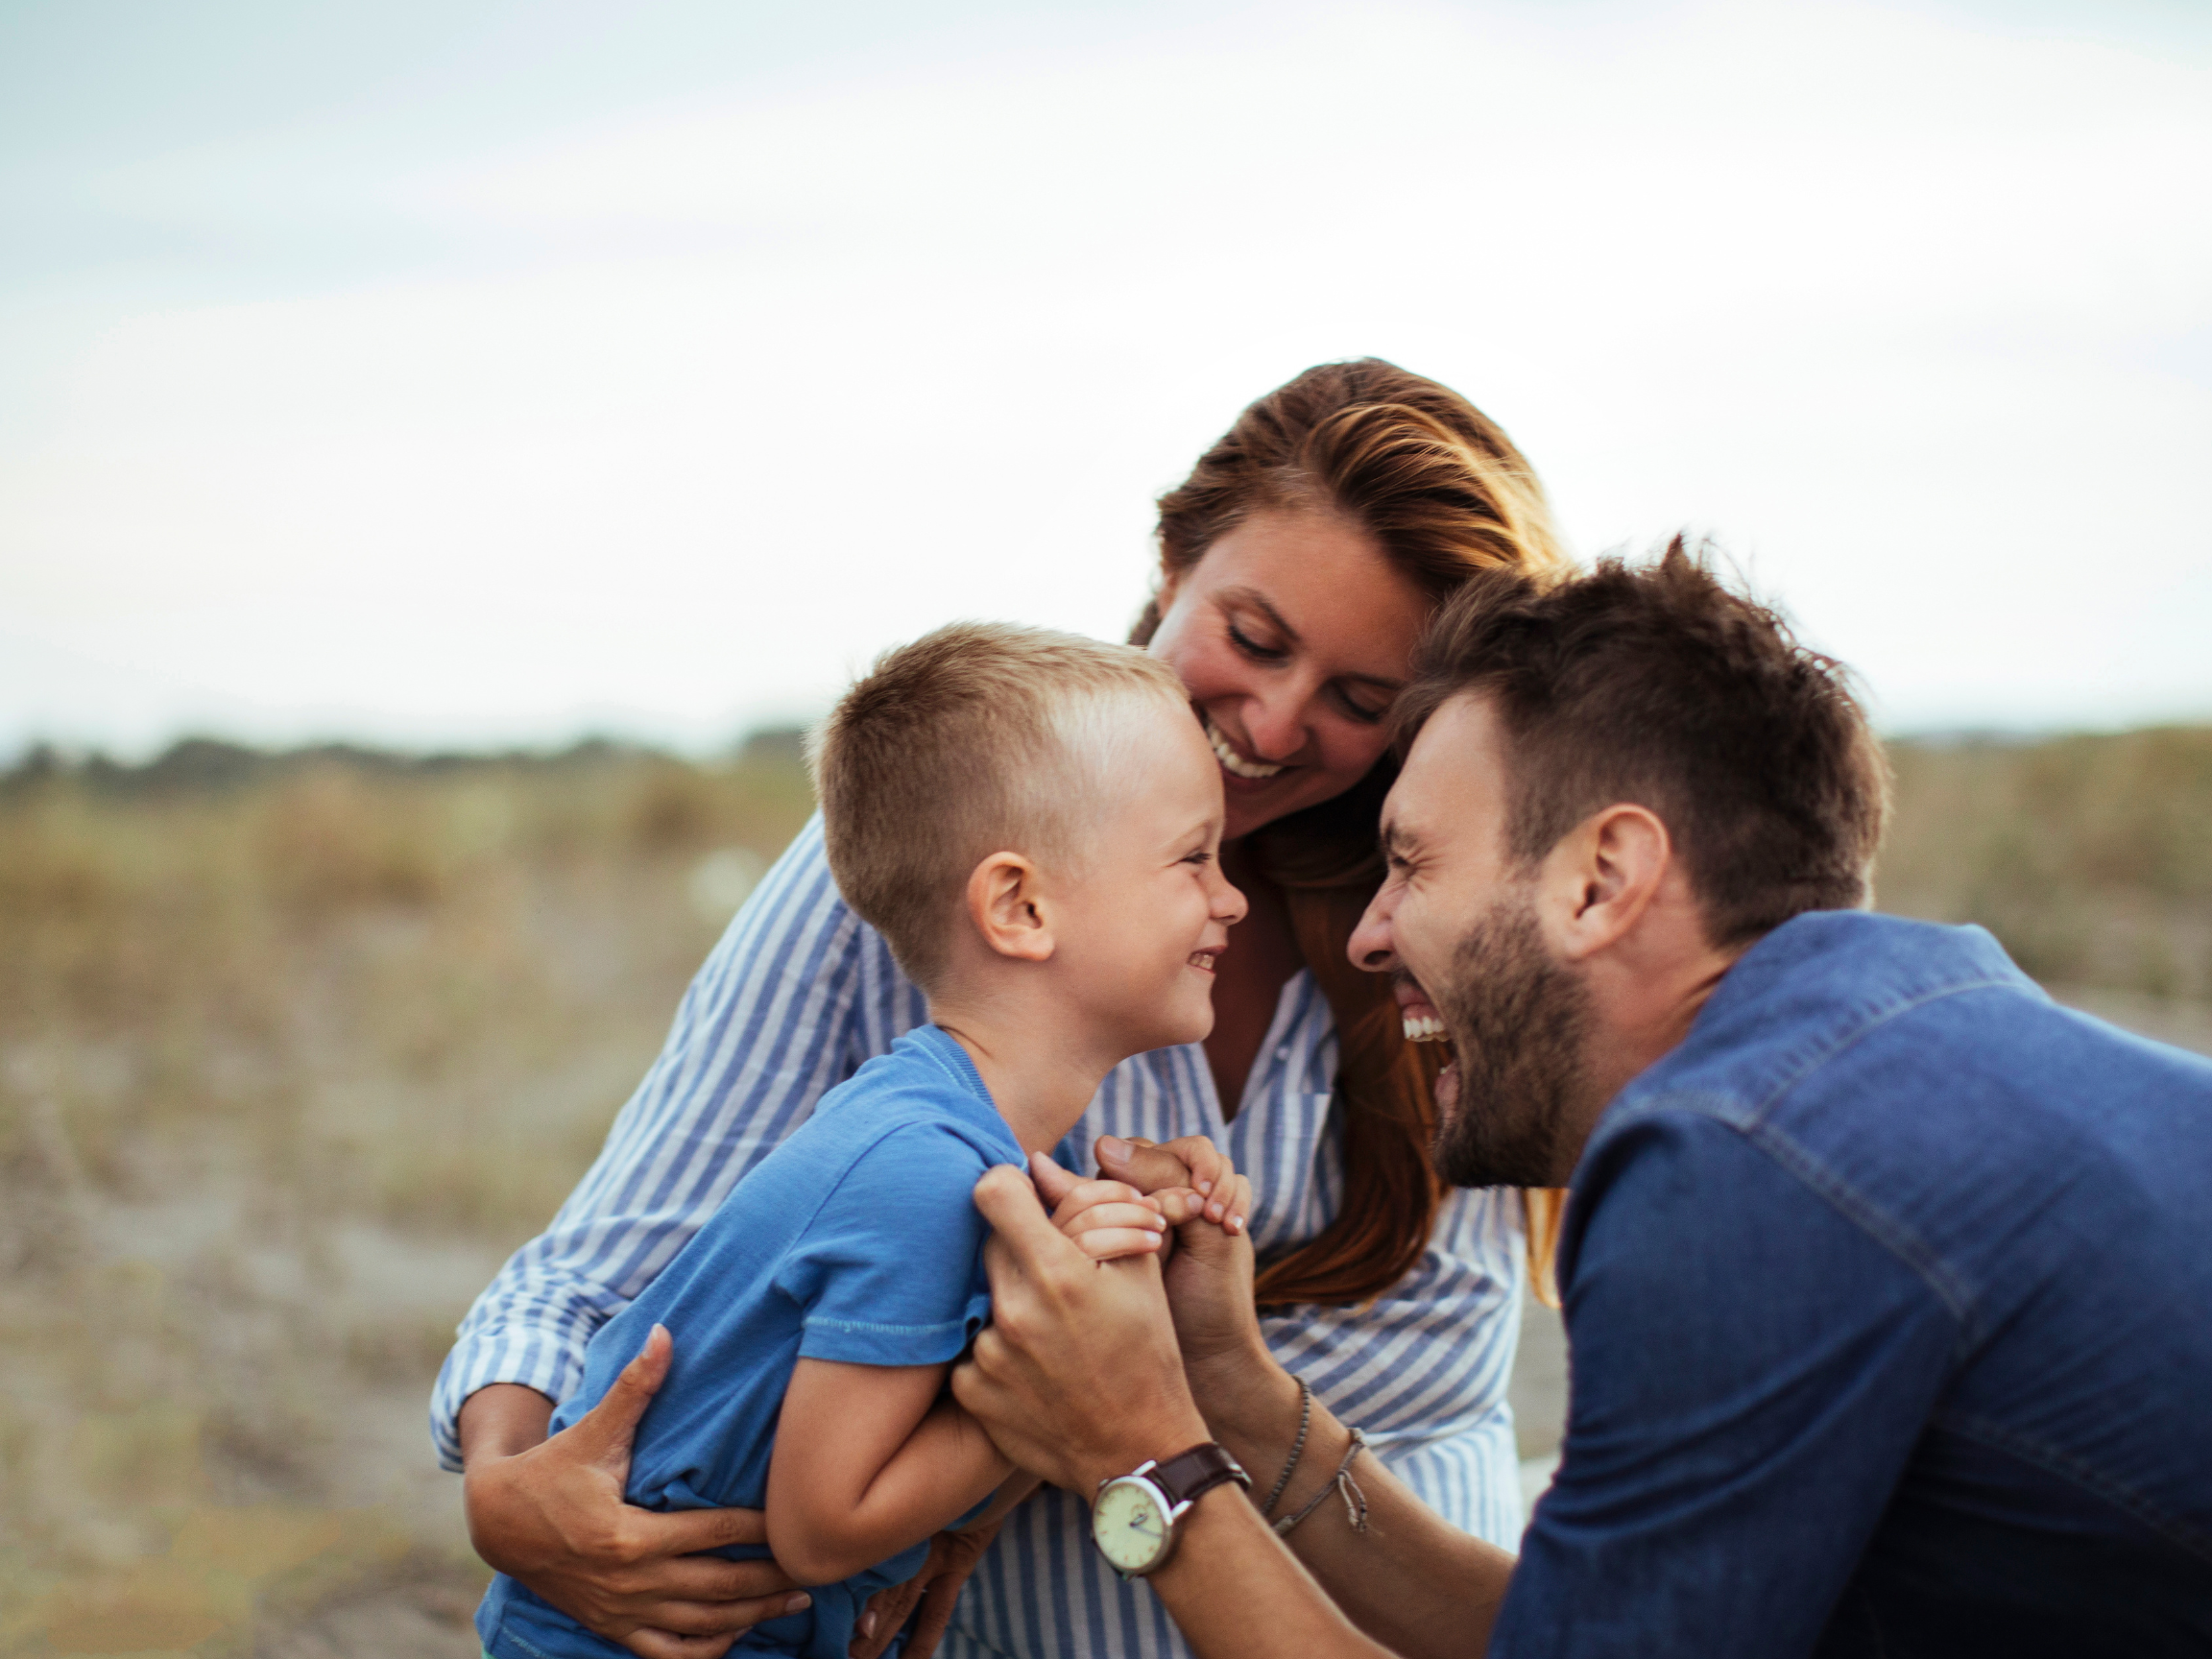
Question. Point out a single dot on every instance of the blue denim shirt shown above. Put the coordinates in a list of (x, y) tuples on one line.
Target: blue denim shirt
[(1889, 1301)]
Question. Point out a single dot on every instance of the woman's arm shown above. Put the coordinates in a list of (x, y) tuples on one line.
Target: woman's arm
[(869, 1460), (652, 1591), (795, 995)]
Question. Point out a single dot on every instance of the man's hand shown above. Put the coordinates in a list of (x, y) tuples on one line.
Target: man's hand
[(1078, 1377), (552, 1516)]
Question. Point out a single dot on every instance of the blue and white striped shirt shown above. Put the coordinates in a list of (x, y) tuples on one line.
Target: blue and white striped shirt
[(796, 996)]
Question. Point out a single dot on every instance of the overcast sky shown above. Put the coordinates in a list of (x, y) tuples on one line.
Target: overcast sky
[(465, 373)]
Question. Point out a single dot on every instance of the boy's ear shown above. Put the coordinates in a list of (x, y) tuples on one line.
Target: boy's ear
[(1005, 903)]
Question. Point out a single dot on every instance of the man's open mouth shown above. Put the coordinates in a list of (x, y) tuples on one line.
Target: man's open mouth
[(1418, 1016)]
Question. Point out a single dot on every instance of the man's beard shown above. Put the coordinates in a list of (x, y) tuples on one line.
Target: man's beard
[(1518, 1020)]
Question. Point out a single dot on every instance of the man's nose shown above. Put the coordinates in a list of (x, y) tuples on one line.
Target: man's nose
[(1369, 946)]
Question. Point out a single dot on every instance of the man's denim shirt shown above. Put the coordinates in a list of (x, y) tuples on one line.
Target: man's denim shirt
[(1889, 1297)]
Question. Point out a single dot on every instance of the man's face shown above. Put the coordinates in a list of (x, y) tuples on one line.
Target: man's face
[(1457, 921)]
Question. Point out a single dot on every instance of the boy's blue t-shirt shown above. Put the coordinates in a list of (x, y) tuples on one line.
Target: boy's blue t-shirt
[(858, 1240)]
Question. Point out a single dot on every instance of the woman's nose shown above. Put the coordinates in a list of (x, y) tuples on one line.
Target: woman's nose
[(1276, 725)]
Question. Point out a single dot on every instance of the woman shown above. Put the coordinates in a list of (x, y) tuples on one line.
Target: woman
[(1298, 564)]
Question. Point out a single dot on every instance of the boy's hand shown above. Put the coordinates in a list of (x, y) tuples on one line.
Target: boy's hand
[(1190, 1177), (1106, 1219)]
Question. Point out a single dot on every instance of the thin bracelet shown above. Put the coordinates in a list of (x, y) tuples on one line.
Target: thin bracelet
[(1305, 1422), (1355, 1500)]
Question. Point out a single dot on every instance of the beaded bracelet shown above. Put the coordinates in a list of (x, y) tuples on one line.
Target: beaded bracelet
[(1297, 1446)]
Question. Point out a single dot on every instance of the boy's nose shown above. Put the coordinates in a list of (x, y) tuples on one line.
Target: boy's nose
[(1230, 905)]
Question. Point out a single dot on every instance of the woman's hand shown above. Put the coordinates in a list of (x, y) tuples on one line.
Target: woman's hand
[(1193, 1178), (927, 1599), (550, 1513), (1209, 1278)]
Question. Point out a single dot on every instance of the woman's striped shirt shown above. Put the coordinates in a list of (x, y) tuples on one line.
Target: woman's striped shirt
[(798, 994)]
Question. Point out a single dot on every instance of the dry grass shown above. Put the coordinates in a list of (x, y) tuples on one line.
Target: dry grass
[(291, 1054), (2091, 857), (293, 1050)]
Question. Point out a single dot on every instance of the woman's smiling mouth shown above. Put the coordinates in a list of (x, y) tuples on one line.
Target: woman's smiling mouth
[(1233, 762)]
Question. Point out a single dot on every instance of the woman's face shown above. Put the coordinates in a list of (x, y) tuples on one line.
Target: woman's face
[(1292, 633)]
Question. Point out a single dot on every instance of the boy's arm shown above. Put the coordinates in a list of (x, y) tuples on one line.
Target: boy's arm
[(869, 1460)]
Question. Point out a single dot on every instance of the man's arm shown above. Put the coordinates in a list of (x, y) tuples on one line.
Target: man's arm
[(1080, 1379), (1412, 1580), (1751, 1372)]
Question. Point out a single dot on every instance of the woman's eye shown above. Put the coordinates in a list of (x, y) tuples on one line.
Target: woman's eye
[(1252, 647), (1361, 712)]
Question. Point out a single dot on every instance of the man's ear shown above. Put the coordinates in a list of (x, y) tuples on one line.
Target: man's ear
[(1600, 879), (1006, 905)]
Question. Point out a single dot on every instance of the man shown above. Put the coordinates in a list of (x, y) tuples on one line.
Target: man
[(1889, 1283)]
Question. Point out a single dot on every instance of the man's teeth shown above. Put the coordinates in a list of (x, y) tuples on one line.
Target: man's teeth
[(1424, 1028), (1234, 763)]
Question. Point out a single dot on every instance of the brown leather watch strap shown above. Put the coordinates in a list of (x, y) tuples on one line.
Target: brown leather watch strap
[(1187, 1475)]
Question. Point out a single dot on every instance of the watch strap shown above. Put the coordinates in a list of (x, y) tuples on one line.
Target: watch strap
[(1188, 1475)]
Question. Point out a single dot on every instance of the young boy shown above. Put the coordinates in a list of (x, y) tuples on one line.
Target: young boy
[(1032, 820)]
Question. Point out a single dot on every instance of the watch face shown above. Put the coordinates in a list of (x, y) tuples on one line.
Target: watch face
[(1129, 1524)]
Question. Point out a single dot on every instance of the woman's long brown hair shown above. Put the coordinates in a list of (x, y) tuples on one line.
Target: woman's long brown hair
[(1445, 493)]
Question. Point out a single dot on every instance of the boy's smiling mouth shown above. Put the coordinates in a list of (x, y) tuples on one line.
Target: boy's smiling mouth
[(1232, 761)]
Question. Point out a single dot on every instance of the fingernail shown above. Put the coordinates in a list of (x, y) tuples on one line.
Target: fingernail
[(1114, 1148), (867, 1621), (1235, 1223), (1205, 1186), (801, 1603)]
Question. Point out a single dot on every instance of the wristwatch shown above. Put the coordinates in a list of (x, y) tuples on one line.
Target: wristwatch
[(1135, 1517)]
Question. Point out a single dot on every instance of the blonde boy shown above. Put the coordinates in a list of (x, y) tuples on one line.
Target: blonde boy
[(1032, 820)]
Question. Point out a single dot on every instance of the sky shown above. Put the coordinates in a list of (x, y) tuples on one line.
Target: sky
[(469, 374)]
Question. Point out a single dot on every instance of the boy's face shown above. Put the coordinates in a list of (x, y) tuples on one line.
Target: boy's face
[(1150, 911)]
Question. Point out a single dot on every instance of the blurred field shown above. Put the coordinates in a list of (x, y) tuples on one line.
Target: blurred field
[(293, 1050)]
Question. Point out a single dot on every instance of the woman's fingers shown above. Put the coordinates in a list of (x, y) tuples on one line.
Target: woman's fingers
[(699, 1578), (681, 1532), (1239, 1204), (651, 1644), (717, 1617)]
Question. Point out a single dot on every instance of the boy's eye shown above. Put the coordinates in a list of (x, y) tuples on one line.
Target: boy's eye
[(1201, 856)]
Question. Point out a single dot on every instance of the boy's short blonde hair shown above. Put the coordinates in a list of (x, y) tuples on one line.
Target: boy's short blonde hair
[(979, 738)]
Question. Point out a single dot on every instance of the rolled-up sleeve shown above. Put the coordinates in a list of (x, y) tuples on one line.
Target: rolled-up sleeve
[(796, 995)]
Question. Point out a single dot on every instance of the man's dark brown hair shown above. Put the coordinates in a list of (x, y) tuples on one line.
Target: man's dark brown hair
[(1657, 685)]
